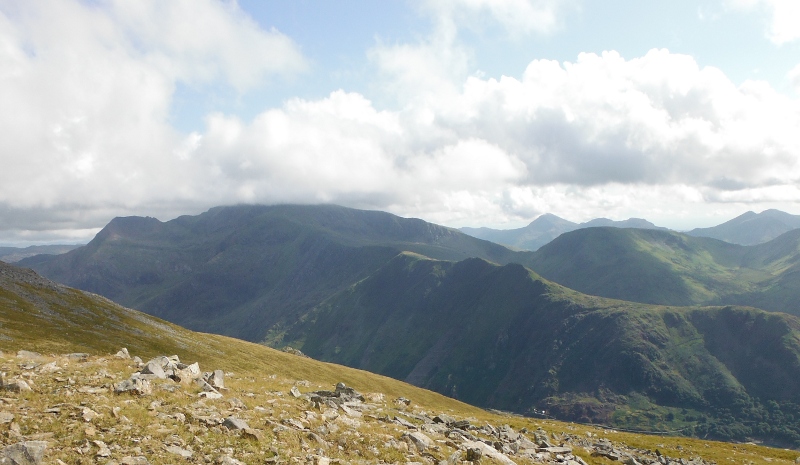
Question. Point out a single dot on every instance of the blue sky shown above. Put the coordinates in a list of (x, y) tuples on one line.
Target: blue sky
[(460, 112)]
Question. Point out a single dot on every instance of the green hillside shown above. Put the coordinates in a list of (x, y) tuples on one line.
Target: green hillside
[(502, 337), (669, 268)]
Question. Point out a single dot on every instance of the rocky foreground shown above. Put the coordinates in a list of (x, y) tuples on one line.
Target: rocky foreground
[(118, 409)]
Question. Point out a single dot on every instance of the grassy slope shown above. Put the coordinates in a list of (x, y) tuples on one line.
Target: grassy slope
[(670, 268), (41, 316)]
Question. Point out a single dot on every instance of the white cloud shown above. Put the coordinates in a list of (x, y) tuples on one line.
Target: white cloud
[(86, 134), (202, 40), (86, 90), (602, 133), (784, 17), (515, 16), (794, 78)]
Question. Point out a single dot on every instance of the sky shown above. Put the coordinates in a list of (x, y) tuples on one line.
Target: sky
[(459, 112)]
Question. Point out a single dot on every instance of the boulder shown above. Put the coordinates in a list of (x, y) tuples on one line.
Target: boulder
[(215, 379), (136, 386), (155, 368), (418, 440), (23, 453), (234, 423)]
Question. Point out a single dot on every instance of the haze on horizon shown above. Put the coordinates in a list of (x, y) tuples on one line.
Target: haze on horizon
[(459, 112)]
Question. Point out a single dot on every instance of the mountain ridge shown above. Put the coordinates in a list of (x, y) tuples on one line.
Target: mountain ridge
[(669, 268), (750, 228)]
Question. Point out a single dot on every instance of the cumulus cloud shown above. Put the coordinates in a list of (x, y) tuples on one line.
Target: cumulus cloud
[(86, 90), (784, 15), (603, 126), (87, 136)]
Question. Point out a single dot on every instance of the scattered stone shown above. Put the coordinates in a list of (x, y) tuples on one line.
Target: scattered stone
[(103, 450), (78, 357), (489, 451), (234, 423), (185, 453), (215, 379), (15, 385), (123, 354), (89, 414), (295, 392), (23, 453), (293, 351), (154, 367), (137, 460), (28, 355), (252, 434), (228, 460), (136, 386), (6, 417), (418, 440)]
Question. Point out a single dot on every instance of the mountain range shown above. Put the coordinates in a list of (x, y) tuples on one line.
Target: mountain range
[(747, 229), (449, 312), (545, 228), (15, 254)]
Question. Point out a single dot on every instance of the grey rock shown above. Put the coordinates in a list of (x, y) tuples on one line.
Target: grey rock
[(136, 386), (24, 453), (16, 385), (137, 460), (489, 451), (185, 453), (153, 367), (228, 460), (444, 418), (215, 379), (234, 423), (556, 450), (185, 374), (418, 440), (123, 354), (28, 355)]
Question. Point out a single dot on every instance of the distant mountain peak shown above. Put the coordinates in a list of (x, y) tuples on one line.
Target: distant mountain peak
[(751, 228)]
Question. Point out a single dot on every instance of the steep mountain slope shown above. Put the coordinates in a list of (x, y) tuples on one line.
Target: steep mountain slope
[(547, 227), (72, 413), (246, 271), (662, 267), (751, 228), (501, 336)]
